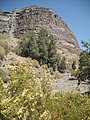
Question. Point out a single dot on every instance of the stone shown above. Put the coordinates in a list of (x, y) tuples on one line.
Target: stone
[(20, 21)]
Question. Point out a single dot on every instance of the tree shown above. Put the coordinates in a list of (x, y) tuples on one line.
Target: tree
[(52, 53), (83, 72), (41, 47), (43, 43), (28, 46)]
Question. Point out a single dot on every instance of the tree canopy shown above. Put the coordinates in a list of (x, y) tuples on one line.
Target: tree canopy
[(83, 72), (42, 47)]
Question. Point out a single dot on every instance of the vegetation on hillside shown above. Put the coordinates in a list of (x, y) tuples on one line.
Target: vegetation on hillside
[(41, 47), (4, 48), (31, 97), (83, 72)]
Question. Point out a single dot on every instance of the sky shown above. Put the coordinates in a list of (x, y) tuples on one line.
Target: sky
[(75, 13)]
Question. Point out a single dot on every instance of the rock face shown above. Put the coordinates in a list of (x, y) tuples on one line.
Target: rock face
[(21, 21), (5, 22)]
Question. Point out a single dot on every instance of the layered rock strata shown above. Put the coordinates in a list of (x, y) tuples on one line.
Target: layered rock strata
[(21, 21)]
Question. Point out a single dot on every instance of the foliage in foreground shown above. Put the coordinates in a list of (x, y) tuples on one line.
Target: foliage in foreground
[(30, 97)]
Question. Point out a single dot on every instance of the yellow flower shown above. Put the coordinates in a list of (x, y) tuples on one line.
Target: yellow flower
[(32, 109)]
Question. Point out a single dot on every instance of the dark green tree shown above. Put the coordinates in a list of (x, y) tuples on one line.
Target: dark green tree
[(83, 71), (28, 46), (41, 47), (47, 48), (52, 52)]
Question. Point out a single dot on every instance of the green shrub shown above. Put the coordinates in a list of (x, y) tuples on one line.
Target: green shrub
[(25, 98), (41, 47), (83, 71), (31, 97)]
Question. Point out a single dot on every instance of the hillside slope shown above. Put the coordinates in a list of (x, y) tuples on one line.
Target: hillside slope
[(21, 21)]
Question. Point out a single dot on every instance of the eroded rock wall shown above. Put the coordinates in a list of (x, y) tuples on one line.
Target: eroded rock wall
[(5, 22), (21, 21)]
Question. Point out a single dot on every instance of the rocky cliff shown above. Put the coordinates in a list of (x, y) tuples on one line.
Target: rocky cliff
[(21, 21)]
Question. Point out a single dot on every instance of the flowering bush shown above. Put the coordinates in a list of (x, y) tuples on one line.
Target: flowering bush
[(30, 97)]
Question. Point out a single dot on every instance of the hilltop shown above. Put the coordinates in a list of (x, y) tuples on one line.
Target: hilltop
[(20, 21)]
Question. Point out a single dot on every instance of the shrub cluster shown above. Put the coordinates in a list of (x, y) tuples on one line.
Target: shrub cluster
[(4, 48), (41, 47), (31, 98), (83, 72)]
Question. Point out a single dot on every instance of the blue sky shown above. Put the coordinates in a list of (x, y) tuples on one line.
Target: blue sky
[(76, 13)]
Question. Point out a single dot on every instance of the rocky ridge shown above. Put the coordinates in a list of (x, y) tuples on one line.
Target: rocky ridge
[(21, 21)]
